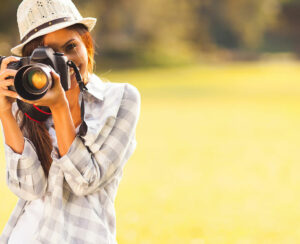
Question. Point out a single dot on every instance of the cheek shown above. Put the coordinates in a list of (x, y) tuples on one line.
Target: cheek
[(85, 57), (85, 64), (82, 52), (79, 56)]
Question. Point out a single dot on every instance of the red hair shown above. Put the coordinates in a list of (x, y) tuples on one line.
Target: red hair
[(88, 42)]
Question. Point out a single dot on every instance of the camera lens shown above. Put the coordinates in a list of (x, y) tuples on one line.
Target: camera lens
[(33, 81), (36, 79)]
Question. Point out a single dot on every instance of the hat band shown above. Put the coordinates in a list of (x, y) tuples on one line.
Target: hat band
[(45, 25)]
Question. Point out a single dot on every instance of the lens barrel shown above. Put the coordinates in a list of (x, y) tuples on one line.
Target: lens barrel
[(33, 81)]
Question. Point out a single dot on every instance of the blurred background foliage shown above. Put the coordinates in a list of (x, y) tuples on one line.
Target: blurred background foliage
[(160, 32)]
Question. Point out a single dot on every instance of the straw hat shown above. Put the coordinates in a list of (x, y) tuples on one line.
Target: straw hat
[(39, 17)]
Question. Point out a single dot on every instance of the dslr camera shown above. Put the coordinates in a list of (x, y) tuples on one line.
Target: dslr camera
[(33, 78)]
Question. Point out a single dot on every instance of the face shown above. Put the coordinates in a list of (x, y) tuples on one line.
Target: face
[(70, 43)]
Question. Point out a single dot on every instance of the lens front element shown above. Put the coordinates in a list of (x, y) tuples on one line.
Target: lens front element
[(37, 79), (33, 81)]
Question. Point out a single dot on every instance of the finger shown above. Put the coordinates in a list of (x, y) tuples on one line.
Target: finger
[(9, 93), (6, 83), (6, 73), (26, 101), (55, 76), (7, 60)]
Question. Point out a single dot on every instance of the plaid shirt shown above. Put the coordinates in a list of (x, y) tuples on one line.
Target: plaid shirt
[(81, 187)]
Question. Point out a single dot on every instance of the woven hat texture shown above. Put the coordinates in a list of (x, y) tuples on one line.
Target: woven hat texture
[(39, 17)]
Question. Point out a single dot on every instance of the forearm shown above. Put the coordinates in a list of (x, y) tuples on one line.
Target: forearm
[(64, 127), (93, 164), (25, 175), (12, 133)]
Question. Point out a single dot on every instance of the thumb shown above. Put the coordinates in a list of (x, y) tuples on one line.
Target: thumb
[(56, 78)]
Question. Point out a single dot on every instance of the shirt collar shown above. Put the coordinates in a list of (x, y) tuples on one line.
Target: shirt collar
[(95, 86)]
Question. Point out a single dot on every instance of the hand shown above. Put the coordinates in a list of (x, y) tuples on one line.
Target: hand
[(54, 98), (7, 97)]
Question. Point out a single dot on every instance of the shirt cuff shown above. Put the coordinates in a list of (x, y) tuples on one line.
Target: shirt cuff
[(23, 161), (76, 162)]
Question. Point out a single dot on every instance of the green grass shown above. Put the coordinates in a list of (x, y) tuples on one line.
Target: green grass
[(217, 159)]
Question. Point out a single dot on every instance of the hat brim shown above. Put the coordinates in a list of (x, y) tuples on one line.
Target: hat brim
[(88, 22)]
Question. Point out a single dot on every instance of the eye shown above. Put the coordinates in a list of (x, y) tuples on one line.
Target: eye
[(70, 47)]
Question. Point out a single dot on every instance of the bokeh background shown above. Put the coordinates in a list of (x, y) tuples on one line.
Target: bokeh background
[(218, 156)]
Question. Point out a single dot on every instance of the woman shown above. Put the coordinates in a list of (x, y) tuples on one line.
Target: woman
[(66, 182)]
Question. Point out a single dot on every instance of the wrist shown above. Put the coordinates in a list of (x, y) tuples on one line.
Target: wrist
[(62, 104), (6, 114), (61, 112)]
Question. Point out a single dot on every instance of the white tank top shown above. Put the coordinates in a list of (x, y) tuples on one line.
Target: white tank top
[(28, 223)]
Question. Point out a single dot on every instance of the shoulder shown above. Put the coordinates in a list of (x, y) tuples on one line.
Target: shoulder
[(113, 93), (131, 93), (128, 100)]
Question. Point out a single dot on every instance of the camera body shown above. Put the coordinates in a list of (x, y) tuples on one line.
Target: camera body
[(33, 78)]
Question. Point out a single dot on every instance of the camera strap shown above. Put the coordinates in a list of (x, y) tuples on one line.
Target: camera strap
[(83, 88)]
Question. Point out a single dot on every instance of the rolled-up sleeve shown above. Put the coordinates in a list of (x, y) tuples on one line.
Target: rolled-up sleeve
[(24, 173), (86, 169)]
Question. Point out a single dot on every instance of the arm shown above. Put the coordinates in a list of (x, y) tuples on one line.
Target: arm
[(24, 173), (87, 169), (25, 176), (64, 127), (12, 133), (56, 100)]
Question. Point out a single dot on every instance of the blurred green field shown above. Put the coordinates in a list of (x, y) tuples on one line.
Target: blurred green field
[(217, 160)]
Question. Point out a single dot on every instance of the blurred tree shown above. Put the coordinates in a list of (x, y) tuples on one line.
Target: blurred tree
[(127, 29), (250, 19), (8, 25), (134, 27), (146, 21), (288, 24), (240, 23)]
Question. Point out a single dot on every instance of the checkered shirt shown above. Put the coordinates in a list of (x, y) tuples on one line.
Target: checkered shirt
[(81, 187)]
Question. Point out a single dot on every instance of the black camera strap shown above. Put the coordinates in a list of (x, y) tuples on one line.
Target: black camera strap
[(83, 88)]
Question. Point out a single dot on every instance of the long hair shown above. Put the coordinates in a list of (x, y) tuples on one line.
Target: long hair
[(37, 132)]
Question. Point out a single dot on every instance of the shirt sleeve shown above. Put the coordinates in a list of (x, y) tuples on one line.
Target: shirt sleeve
[(86, 170), (24, 173)]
